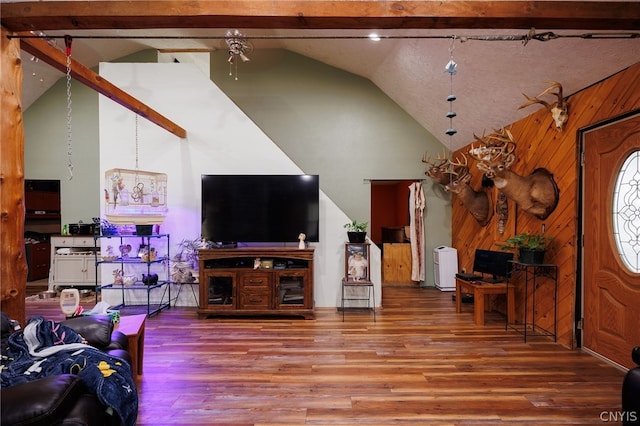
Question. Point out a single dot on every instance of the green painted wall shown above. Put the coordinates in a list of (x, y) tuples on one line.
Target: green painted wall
[(328, 121)]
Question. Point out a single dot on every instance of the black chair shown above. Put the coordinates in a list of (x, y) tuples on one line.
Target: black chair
[(631, 392)]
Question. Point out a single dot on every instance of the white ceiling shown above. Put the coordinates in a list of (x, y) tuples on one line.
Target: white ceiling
[(408, 65)]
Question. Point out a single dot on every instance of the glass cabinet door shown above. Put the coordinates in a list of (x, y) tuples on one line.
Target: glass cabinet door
[(221, 289), (291, 286)]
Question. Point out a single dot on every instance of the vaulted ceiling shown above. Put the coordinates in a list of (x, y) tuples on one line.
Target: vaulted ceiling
[(502, 49)]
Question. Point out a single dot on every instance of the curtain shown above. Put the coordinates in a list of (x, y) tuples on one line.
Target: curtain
[(417, 206)]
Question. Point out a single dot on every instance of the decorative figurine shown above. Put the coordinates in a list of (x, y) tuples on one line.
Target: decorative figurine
[(151, 279), (144, 254), (116, 186), (117, 276), (125, 249), (110, 255), (302, 244), (357, 266), (256, 263), (129, 280)]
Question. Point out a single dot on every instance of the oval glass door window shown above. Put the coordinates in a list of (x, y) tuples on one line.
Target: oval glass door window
[(626, 212)]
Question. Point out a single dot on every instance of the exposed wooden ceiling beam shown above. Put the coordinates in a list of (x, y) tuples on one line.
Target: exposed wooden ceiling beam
[(322, 14), (57, 59)]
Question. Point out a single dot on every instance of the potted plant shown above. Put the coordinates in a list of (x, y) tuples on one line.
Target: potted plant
[(530, 247), (356, 231), (185, 261)]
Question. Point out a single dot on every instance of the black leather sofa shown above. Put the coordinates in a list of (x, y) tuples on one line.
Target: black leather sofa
[(631, 392), (63, 399)]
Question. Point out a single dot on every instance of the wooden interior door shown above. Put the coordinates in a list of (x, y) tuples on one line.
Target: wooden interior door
[(611, 290)]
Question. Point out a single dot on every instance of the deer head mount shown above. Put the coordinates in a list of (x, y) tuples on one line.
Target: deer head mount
[(440, 170), (536, 194), (455, 177), (559, 110)]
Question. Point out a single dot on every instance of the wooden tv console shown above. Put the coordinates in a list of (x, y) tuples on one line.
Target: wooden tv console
[(230, 283)]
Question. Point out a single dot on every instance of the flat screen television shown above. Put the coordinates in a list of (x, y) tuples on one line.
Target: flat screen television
[(493, 263), (260, 208)]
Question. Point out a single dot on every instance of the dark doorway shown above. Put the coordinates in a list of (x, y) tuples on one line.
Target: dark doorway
[(389, 217)]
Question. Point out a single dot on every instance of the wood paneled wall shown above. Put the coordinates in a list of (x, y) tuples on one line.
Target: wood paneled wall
[(539, 144)]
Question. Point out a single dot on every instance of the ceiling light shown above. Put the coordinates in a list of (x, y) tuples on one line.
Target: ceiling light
[(238, 48), (374, 37)]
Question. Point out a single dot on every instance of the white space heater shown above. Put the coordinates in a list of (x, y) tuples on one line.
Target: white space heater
[(445, 267)]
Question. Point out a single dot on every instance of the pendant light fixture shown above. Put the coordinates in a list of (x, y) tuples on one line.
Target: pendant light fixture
[(239, 47)]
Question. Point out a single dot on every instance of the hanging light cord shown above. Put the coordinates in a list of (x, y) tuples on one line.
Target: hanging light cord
[(138, 190), (136, 144)]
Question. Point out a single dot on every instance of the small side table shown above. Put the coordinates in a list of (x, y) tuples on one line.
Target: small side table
[(357, 275), (370, 299), (533, 273), (193, 291), (133, 326)]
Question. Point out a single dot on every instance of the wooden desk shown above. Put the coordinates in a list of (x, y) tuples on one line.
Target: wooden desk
[(480, 291), (132, 326)]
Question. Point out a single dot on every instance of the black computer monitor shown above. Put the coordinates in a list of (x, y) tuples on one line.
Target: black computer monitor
[(495, 264)]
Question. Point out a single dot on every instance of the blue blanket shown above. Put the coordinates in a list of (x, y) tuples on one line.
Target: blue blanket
[(45, 348)]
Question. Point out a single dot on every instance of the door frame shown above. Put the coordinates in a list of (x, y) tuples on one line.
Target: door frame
[(579, 304)]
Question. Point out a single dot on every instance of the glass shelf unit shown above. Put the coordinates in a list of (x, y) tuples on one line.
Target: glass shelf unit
[(149, 273)]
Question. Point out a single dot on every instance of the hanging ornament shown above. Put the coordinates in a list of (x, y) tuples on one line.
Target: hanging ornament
[(451, 69), (502, 208)]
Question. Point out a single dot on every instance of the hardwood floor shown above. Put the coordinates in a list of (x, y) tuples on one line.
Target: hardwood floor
[(419, 364)]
